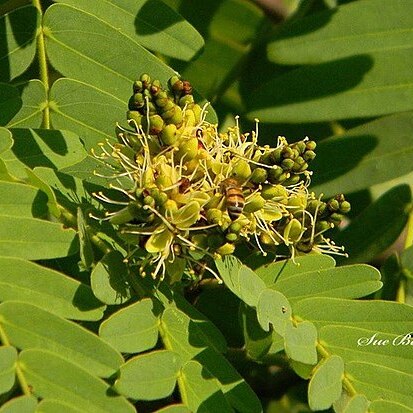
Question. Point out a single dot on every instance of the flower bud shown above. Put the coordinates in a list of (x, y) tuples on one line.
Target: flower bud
[(309, 155), (275, 156), (301, 146), (186, 100), (345, 207), (235, 227), (145, 79), (255, 203), (276, 192), (214, 215), (177, 117), (168, 134), (175, 84), (136, 101), (241, 170), (310, 145), (137, 86), (336, 218), (148, 200), (226, 249), (155, 124), (292, 180), (287, 164), (293, 231), (231, 237), (274, 174), (333, 205), (259, 175), (188, 148)]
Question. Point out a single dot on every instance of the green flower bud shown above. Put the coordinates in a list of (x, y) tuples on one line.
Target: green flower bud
[(304, 167), (214, 215), (148, 200), (175, 84), (136, 101), (336, 218), (288, 153), (274, 174), (168, 134), (137, 86), (226, 249), (310, 145), (186, 100), (333, 205), (276, 192), (322, 226), (177, 117), (309, 155), (301, 146), (259, 175), (235, 227), (155, 124), (145, 79), (275, 156), (345, 207), (287, 164), (283, 177), (188, 148), (241, 170), (255, 203), (293, 231), (231, 237), (292, 180)]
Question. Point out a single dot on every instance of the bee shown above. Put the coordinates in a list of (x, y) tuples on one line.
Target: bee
[(235, 200)]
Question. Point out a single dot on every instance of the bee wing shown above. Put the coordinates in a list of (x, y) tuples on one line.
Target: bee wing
[(187, 215)]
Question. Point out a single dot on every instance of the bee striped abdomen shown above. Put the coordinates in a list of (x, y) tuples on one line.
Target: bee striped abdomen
[(235, 202)]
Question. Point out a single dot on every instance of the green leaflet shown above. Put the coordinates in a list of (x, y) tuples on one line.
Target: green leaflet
[(28, 326), (8, 357), (10, 103), (48, 289), (22, 404), (56, 378)]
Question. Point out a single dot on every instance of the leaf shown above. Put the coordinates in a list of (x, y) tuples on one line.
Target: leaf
[(48, 289), (273, 308), (325, 385), (22, 404), (149, 376), (86, 110), (151, 24), (8, 357), (56, 406), (132, 329), (51, 376), (378, 382), (350, 281), (384, 406), (368, 344), (281, 270), (240, 279), (301, 341), (355, 404), (379, 84), (174, 408), (191, 338), (201, 389), (109, 279), (257, 341), (105, 57), (41, 147), (33, 95), (18, 32), (380, 316), (28, 326), (10, 103), (22, 200), (6, 141), (384, 152), (347, 30), (86, 249), (34, 239), (377, 227)]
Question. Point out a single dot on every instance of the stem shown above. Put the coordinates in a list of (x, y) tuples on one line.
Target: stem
[(43, 67), (351, 391), (19, 374)]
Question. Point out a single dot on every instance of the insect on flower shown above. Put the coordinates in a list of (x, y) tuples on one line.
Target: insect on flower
[(235, 200)]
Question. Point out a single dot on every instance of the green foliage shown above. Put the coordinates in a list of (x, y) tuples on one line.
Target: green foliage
[(81, 330)]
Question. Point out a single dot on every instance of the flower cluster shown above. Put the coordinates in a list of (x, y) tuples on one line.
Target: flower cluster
[(192, 192)]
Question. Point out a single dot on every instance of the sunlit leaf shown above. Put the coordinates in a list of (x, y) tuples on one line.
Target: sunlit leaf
[(326, 383), (174, 408), (151, 24), (51, 376), (48, 289), (28, 326), (149, 376), (300, 342), (8, 357), (22, 404), (384, 406), (132, 329)]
